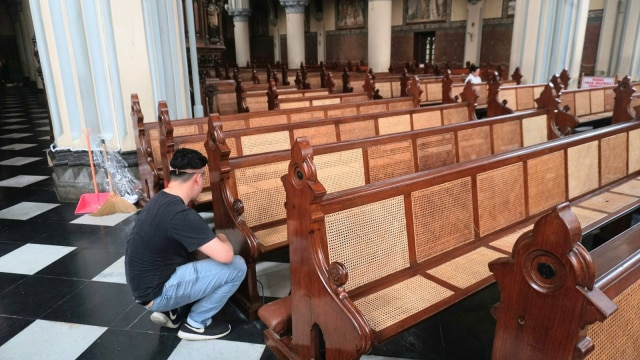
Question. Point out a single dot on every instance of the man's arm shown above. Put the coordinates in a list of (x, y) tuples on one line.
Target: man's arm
[(219, 249)]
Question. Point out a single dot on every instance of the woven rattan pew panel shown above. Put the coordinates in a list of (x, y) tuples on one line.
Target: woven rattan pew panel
[(619, 336), (427, 119), (265, 120), (433, 91), (597, 101), (340, 170), (634, 151), (613, 158), (534, 130), (357, 130), (568, 99), (587, 216), (525, 99), (455, 115), (260, 189), (436, 151), (582, 103), (345, 112), (373, 108), (385, 89), (609, 99), (506, 136), (474, 143), (442, 217), (583, 168), (394, 124), (318, 134), (467, 269), (545, 181), (511, 95), (500, 197), (390, 160), (306, 115), (261, 143), (370, 240)]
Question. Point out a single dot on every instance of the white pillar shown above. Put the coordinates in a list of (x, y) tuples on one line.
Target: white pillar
[(379, 35), (241, 34), (93, 60), (295, 31), (548, 36), (473, 38), (619, 40)]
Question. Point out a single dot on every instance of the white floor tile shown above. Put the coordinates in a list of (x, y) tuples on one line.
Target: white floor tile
[(217, 349), (274, 277), (44, 138), (17, 161), (14, 120), (55, 340), (13, 127), (113, 274), (17, 146), (43, 128), (45, 121), (15, 136), (109, 220), (25, 210), (40, 256), (22, 180)]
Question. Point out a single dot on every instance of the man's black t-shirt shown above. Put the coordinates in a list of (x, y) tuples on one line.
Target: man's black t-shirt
[(164, 235)]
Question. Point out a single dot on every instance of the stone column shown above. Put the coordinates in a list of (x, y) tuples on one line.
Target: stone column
[(295, 31), (92, 60), (241, 33), (473, 40), (618, 39), (379, 35), (548, 36)]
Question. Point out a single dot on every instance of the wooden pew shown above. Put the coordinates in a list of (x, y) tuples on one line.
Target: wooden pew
[(627, 102), (559, 301), (369, 262), (238, 156)]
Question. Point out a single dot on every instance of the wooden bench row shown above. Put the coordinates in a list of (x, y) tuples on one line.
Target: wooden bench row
[(369, 262)]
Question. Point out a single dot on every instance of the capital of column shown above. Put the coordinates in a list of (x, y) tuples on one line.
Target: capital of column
[(240, 15), (294, 6)]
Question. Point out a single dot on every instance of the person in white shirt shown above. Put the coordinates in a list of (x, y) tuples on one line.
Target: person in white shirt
[(474, 75)]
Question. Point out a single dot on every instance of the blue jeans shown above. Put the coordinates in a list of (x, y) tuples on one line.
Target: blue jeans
[(206, 282)]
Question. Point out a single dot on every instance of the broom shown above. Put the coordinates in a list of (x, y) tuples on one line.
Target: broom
[(114, 204)]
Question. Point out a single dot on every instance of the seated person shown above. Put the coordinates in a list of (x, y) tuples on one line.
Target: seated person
[(474, 75)]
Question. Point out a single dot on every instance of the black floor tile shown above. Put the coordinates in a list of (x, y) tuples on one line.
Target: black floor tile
[(10, 326), (82, 263), (131, 345), (36, 295)]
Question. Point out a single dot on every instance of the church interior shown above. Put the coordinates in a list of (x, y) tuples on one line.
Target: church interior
[(388, 205)]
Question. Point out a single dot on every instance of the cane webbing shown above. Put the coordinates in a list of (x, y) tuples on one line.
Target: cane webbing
[(340, 170), (537, 90), (634, 150), (260, 189), (500, 197), (568, 99), (597, 101), (255, 103), (306, 115), (357, 130), (583, 168), (609, 99), (506, 242), (455, 115), (467, 269), (272, 236), (534, 130), (370, 240), (630, 187), (434, 91), (204, 196), (395, 89), (506, 136), (613, 158), (154, 143), (442, 217), (525, 99), (296, 104), (587, 216), (329, 101), (185, 130), (342, 112), (288, 95), (512, 98), (226, 103), (400, 301), (607, 201), (199, 146), (233, 124), (318, 134), (347, 99), (231, 142), (267, 120), (394, 124), (427, 119), (401, 105), (436, 151), (385, 90), (474, 143), (546, 181), (372, 108), (618, 337), (266, 142), (481, 91), (582, 103), (390, 160)]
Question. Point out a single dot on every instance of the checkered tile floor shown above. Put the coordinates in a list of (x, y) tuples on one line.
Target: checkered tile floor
[(63, 293)]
